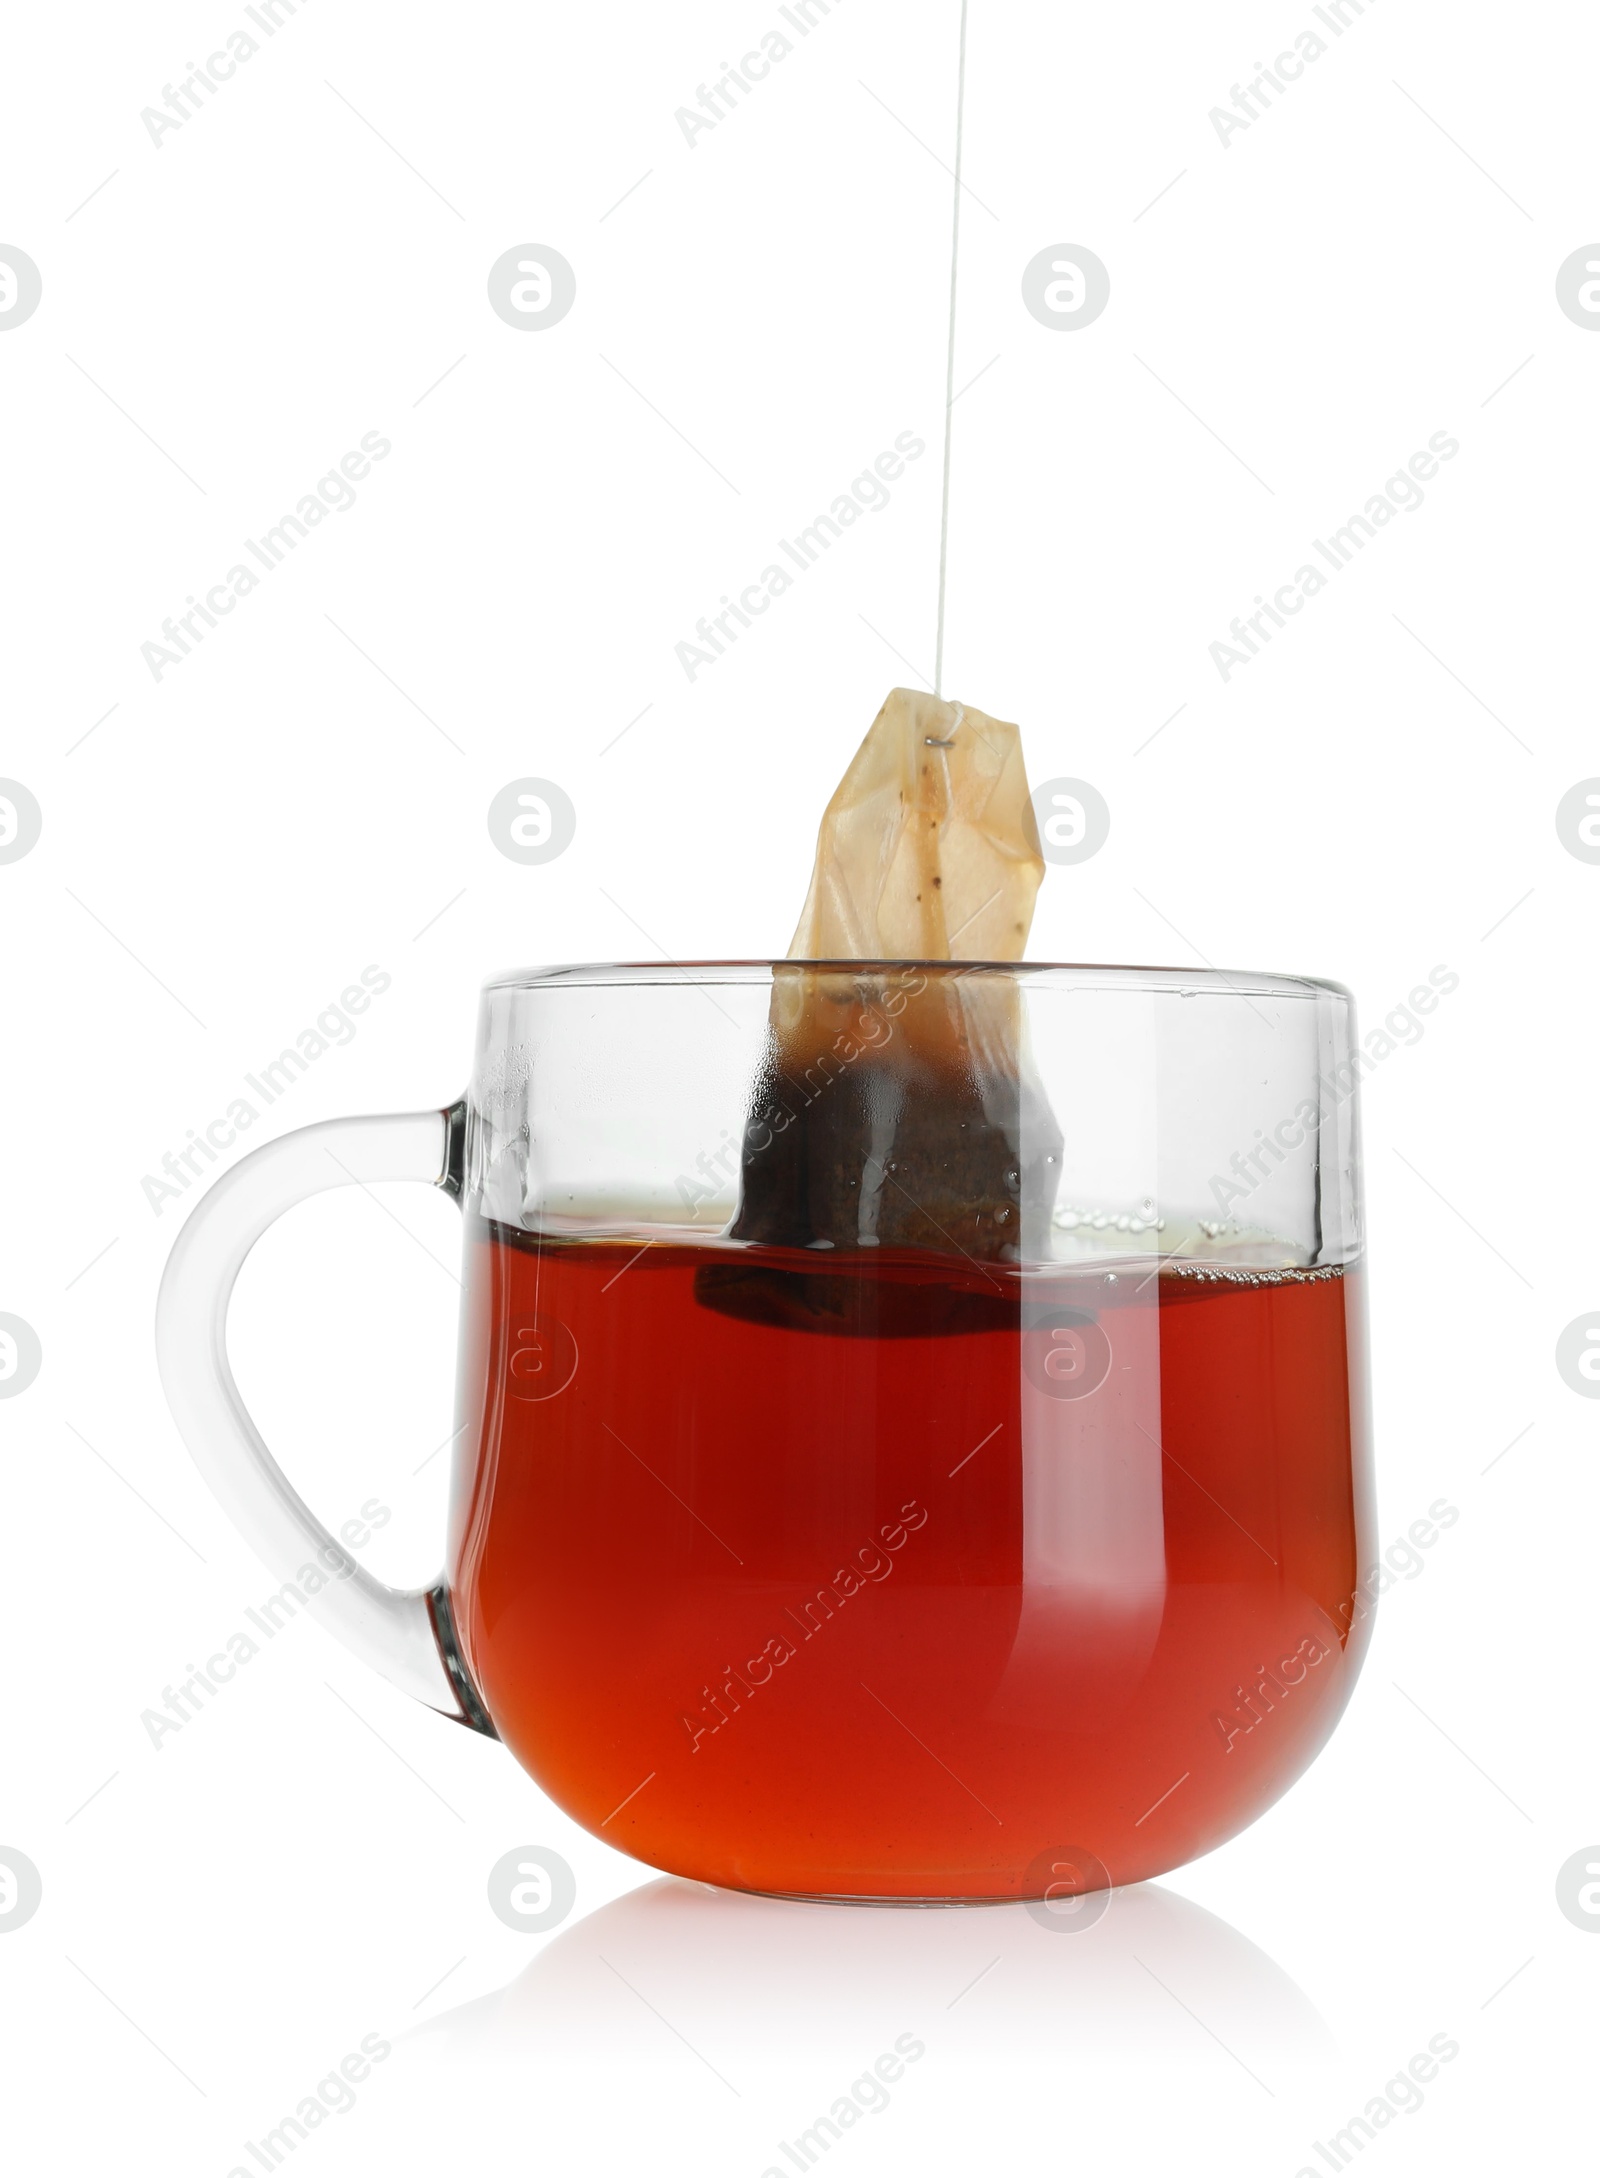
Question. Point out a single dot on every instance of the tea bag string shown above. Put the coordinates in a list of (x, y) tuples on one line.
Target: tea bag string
[(950, 357)]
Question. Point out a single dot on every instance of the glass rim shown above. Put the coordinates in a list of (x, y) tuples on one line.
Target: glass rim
[(1211, 982)]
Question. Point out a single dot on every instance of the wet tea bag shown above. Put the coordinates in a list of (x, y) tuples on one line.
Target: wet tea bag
[(896, 1108), (928, 849)]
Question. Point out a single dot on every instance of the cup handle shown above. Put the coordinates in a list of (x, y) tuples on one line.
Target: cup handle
[(406, 1634)]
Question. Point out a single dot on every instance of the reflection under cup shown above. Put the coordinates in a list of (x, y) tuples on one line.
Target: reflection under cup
[(678, 1976)]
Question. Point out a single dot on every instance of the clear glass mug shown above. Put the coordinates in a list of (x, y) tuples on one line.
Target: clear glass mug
[(912, 1417)]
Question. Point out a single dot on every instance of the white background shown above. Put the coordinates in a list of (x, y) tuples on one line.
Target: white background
[(224, 850)]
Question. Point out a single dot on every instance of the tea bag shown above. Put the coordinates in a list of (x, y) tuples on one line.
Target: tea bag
[(896, 1108), (928, 849)]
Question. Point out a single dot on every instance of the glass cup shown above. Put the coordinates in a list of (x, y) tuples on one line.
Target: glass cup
[(912, 1417)]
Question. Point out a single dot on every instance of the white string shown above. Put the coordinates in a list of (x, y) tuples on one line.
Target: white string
[(950, 357)]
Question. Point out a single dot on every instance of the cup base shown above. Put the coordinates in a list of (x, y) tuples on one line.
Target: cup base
[(858, 1898)]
